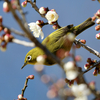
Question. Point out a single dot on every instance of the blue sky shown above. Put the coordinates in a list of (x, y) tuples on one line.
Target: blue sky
[(12, 78)]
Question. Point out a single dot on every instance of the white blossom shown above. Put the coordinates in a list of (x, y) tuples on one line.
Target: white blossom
[(37, 31), (42, 10), (81, 98), (82, 91), (72, 74), (40, 59), (71, 71), (51, 16), (98, 21), (5, 4), (71, 36)]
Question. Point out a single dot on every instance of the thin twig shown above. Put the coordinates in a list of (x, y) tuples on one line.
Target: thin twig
[(25, 86), (88, 48), (28, 44), (94, 65)]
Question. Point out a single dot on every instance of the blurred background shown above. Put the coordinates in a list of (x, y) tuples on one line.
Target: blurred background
[(12, 78)]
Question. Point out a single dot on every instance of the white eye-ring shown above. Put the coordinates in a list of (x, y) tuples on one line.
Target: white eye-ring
[(29, 58)]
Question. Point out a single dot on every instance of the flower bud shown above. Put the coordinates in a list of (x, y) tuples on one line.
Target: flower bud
[(20, 97), (93, 18), (5, 7), (24, 4), (42, 10), (98, 36), (0, 40), (89, 60), (95, 73), (83, 41), (97, 15), (30, 77), (1, 28), (6, 30), (97, 28), (40, 59), (14, 4), (98, 21), (86, 66), (1, 19), (39, 22), (3, 47), (78, 58), (8, 37), (55, 26), (92, 85)]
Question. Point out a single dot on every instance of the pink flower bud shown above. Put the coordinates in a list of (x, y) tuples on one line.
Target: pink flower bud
[(1, 19), (3, 47), (93, 18), (86, 66), (78, 58), (89, 60), (24, 4), (92, 85), (5, 7), (55, 26), (30, 77), (97, 28), (1, 28), (95, 73), (14, 4), (83, 41), (43, 10), (98, 36), (20, 97), (97, 15), (98, 21), (6, 30)]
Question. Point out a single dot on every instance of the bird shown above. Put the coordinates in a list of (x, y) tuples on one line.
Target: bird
[(59, 41)]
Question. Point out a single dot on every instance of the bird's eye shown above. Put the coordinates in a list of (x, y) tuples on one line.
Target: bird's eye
[(29, 58)]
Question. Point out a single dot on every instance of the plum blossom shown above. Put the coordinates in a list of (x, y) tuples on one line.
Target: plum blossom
[(36, 30), (82, 91), (71, 71), (51, 16)]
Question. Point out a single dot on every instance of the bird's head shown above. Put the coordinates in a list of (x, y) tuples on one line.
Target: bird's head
[(28, 59)]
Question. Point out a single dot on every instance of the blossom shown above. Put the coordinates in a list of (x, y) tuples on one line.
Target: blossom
[(71, 71), (82, 91), (5, 7), (24, 4), (51, 16), (36, 30), (40, 59), (98, 36), (42, 10), (98, 21)]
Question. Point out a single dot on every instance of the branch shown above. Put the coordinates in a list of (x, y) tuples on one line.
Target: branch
[(28, 44), (88, 48), (94, 65), (25, 86)]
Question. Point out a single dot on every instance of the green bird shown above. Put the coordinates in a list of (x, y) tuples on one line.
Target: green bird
[(58, 42)]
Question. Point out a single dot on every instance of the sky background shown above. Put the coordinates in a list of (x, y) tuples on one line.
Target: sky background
[(12, 78)]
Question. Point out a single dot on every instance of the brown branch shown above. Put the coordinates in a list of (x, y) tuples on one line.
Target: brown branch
[(94, 65), (88, 48), (25, 86)]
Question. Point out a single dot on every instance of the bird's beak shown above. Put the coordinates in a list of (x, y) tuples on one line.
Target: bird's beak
[(24, 65)]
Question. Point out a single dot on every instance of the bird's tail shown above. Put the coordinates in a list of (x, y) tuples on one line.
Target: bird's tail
[(83, 26)]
